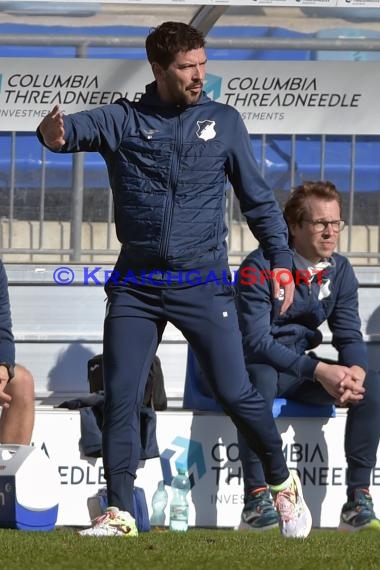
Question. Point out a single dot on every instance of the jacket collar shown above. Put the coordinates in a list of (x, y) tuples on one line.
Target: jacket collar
[(303, 263)]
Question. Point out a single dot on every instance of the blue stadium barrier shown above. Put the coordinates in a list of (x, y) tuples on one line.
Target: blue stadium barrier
[(198, 397), (278, 169), (28, 156), (140, 31), (350, 15), (348, 33), (252, 54), (40, 8), (308, 149), (114, 52)]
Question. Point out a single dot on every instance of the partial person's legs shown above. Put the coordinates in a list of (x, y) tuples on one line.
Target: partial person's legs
[(361, 443), (131, 336), (271, 385), (265, 379), (258, 513), (17, 421), (206, 315), (362, 436), (132, 330)]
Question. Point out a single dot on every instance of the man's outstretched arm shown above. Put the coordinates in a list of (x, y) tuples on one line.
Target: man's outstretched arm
[(52, 129)]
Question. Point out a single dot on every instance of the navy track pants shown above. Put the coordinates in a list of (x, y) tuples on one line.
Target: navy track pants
[(206, 315)]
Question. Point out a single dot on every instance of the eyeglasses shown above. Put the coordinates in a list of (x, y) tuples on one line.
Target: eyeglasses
[(321, 225)]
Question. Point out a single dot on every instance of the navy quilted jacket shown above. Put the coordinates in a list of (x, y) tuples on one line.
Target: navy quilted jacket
[(168, 166)]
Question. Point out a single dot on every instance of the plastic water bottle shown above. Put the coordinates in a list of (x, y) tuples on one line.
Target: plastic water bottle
[(159, 502), (179, 506)]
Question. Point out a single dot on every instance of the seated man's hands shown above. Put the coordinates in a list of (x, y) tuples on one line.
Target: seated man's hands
[(358, 375), (343, 383)]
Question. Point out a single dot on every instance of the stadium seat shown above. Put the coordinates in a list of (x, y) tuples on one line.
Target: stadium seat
[(198, 397)]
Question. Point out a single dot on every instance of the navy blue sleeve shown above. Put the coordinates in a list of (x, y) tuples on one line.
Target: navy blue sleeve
[(7, 346), (344, 321), (97, 130), (255, 305), (257, 201)]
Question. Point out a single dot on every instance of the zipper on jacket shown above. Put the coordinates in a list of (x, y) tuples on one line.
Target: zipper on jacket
[(168, 214)]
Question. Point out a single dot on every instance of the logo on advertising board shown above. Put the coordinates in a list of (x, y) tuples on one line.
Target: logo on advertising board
[(186, 454), (213, 86)]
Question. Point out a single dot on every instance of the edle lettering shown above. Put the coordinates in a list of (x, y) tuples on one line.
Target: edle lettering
[(76, 475)]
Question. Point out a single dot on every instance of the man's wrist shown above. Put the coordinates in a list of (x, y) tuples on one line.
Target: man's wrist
[(318, 371)]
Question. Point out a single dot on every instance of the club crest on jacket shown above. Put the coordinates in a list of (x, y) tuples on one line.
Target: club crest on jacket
[(206, 130)]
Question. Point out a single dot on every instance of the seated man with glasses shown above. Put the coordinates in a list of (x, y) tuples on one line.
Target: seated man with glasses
[(276, 350)]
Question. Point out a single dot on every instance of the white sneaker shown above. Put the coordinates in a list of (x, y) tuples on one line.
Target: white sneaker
[(112, 523), (294, 515)]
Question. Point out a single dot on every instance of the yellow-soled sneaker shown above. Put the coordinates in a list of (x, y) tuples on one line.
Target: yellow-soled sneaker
[(112, 523), (294, 515), (358, 514)]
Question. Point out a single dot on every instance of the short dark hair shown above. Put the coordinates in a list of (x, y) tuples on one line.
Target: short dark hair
[(295, 209), (164, 42)]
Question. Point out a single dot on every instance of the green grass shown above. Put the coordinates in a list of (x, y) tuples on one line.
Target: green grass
[(197, 549)]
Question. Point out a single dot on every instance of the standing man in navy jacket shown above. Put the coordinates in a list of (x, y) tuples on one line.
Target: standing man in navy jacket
[(276, 345), (168, 158), (16, 382)]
